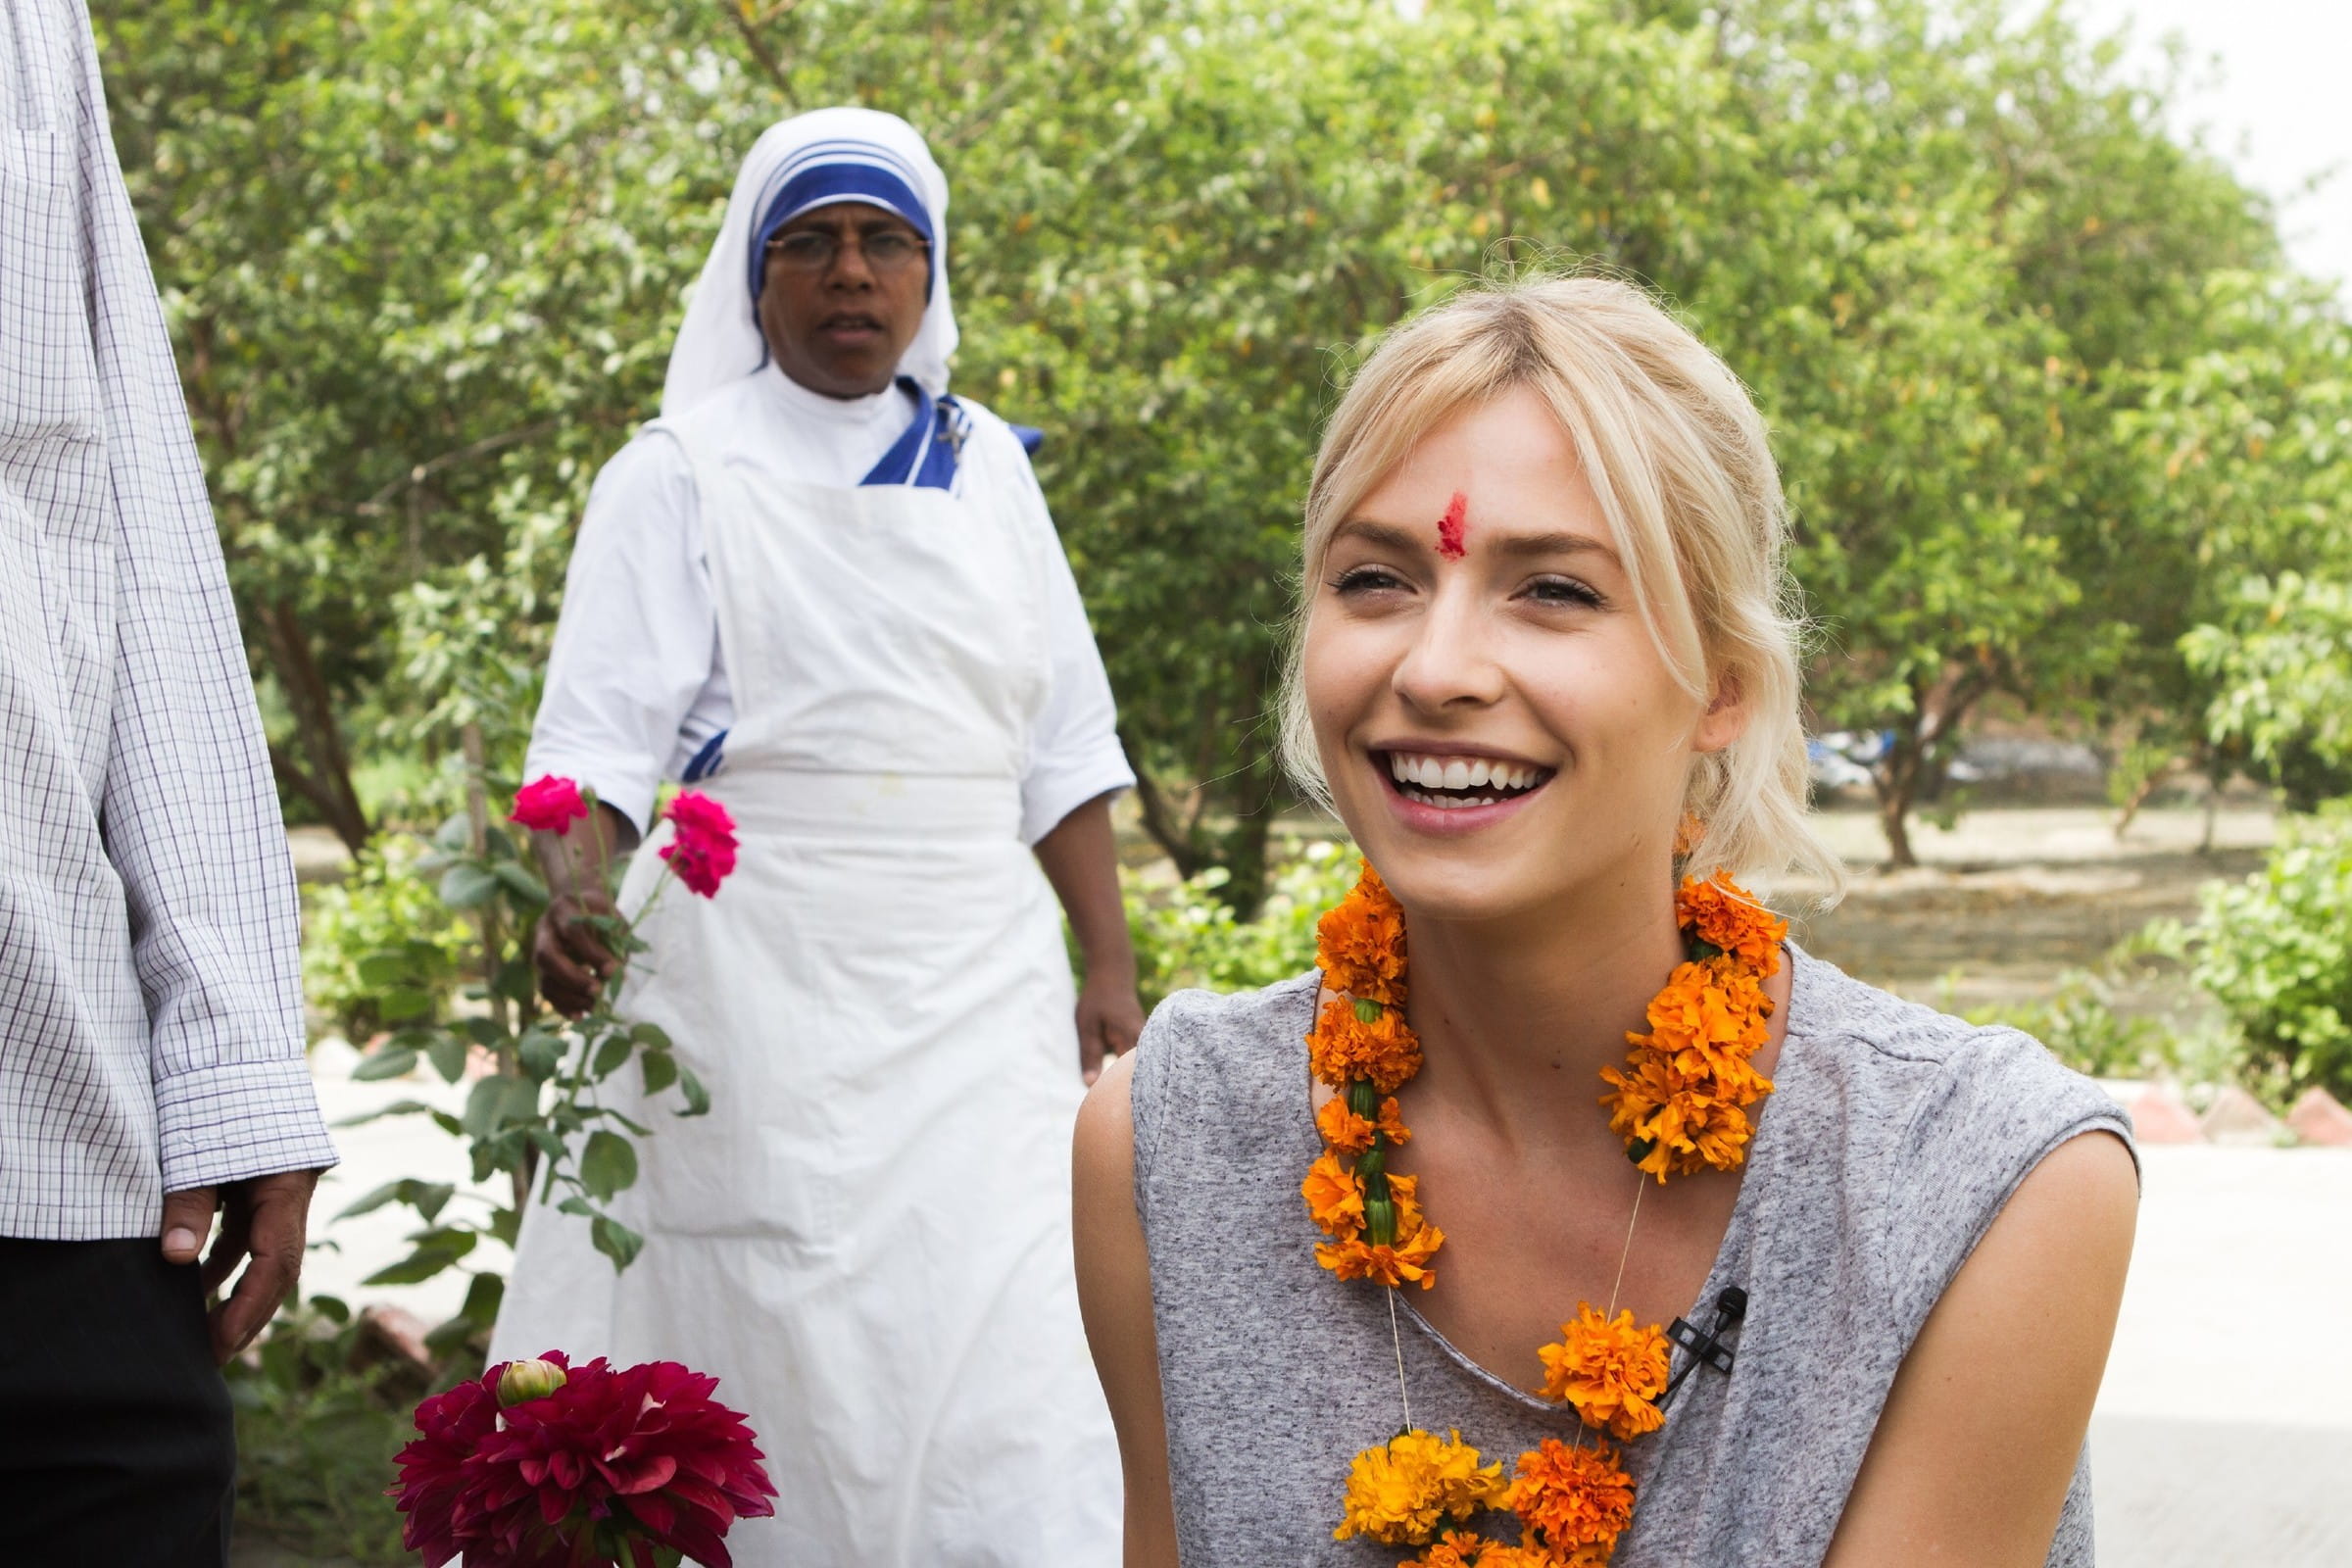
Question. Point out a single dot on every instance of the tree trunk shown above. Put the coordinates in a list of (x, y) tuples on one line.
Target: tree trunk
[(323, 775), (1894, 812), (2138, 797), (1174, 837), (1245, 862), (1913, 762), (1193, 844)]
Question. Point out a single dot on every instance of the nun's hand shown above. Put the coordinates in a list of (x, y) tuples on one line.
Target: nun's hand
[(1110, 1018), (570, 955)]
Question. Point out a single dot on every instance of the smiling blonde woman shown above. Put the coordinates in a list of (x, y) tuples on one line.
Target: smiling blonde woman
[(1545, 673)]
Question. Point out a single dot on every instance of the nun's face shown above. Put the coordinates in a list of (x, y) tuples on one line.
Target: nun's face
[(843, 296)]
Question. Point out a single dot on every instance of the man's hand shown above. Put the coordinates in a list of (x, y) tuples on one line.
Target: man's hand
[(1110, 1018), (266, 1218), (571, 958)]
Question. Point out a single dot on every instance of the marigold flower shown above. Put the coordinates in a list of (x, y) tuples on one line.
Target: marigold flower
[(1686, 834), (1720, 911), (1404, 1489), (548, 804), (1347, 1133), (702, 852), (1610, 1371), (1454, 1548), (1572, 1500), (1533, 1554), (1687, 1127), (1466, 1548), (1359, 942), (1405, 1192), (1343, 1048), (1335, 1198), (1404, 1264), (1709, 1017)]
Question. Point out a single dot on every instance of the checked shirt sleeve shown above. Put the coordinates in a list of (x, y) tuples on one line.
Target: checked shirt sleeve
[(190, 811)]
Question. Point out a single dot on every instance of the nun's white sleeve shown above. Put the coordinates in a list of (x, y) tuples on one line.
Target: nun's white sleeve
[(1074, 753), (637, 642)]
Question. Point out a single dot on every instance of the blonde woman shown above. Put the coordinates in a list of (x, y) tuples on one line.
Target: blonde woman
[(1829, 1277)]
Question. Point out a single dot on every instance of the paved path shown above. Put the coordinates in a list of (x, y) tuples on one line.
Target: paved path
[(2223, 1432), (372, 1154)]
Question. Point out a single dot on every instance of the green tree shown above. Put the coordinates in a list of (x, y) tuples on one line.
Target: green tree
[(417, 259), (2251, 441), (424, 259)]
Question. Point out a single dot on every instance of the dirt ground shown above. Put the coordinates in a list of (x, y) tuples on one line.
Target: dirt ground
[(2010, 899)]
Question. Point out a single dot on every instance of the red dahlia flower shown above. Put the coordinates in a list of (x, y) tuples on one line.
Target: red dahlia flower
[(548, 804), (703, 853), (600, 1471), (433, 1481)]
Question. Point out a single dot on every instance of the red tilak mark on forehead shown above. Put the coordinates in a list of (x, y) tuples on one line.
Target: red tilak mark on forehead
[(1453, 528)]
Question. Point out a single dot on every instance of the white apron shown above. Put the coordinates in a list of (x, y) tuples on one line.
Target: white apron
[(867, 1241)]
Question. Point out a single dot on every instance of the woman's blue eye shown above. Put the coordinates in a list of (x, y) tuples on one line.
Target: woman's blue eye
[(1360, 579), (1566, 591)]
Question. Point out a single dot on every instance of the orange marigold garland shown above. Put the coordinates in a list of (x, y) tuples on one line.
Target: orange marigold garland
[(1681, 1099), (1610, 1371), (1359, 942), (1681, 1104), (1463, 1548), (1401, 1491), (1573, 1502)]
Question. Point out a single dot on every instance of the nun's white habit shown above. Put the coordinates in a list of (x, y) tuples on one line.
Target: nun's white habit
[(850, 621)]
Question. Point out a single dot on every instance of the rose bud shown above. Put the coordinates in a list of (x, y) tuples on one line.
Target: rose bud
[(528, 1379)]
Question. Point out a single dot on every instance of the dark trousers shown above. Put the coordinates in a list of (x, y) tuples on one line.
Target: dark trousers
[(117, 1446)]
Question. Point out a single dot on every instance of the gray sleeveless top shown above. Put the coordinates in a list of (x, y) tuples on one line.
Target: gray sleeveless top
[(1894, 1137)]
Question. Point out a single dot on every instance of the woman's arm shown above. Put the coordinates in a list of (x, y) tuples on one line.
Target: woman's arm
[(633, 654), (1081, 860), (1115, 1293), (1977, 1441)]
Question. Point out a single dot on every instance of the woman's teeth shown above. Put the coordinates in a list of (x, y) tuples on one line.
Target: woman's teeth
[(1462, 778)]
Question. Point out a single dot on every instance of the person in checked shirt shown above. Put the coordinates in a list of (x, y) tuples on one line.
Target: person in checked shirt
[(151, 1045)]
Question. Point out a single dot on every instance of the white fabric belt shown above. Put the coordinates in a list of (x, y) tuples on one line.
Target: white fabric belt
[(811, 804)]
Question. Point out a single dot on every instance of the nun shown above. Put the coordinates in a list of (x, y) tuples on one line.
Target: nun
[(826, 592)]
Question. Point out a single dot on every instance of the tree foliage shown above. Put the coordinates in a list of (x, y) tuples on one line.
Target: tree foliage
[(424, 259)]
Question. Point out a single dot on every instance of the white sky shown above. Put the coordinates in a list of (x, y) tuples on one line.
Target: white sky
[(2271, 87)]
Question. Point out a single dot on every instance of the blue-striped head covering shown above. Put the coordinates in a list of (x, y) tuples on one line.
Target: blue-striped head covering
[(839, 169), (827, 154)]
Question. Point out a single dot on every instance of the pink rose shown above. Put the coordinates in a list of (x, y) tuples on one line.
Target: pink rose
[(703, 853), (548, 804)]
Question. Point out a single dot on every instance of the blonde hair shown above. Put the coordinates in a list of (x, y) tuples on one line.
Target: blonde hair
[(1679, 461)]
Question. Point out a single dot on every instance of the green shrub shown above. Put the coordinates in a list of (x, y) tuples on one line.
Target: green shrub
[(318, 1425), (1186, 936), (2275, 952), (381, 949)]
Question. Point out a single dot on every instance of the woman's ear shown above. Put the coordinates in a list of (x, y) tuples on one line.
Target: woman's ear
[(1726, 718)]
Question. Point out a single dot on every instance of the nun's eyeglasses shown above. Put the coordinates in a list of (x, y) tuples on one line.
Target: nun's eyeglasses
[(815, 250)]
